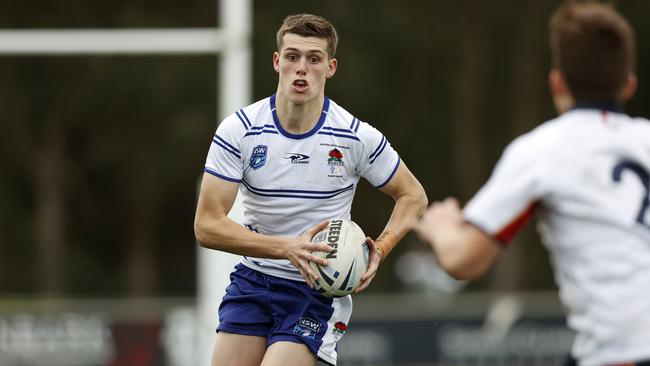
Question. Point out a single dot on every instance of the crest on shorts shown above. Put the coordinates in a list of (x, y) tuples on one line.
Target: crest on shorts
[(307, 327), (258, 158)]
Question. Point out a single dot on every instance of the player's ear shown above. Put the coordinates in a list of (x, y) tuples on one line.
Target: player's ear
[(331, 68), (562, 97), (629, 89), (557, 82), (276, 61)]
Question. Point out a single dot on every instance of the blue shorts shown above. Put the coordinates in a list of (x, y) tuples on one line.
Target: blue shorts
[(279, 309)]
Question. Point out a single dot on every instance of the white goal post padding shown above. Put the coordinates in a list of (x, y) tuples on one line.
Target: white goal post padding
[(55, 42)]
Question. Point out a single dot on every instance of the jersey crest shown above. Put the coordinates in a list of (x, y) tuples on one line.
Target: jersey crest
[(258, 158), (335, 162)]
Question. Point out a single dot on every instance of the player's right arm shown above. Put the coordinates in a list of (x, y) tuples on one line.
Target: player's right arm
[(214, 230), (463, 250), (467, 242)]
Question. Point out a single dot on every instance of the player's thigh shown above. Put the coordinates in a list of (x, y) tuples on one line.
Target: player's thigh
[(288, 354), (238, 350)]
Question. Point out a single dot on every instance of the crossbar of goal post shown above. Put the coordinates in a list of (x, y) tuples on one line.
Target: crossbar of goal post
[(232, 41)]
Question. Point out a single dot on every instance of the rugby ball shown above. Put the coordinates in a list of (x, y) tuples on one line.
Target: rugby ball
[(346, 263)]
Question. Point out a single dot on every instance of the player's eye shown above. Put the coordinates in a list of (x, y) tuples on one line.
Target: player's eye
[(314, 59), (292, 57)]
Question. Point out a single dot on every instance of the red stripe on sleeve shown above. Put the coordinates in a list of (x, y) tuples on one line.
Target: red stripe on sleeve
[(508, 232)]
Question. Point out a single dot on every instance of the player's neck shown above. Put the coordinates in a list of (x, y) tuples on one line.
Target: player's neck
[(298, 118)]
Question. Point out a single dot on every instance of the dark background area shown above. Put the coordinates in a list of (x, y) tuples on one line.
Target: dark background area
[(100, 157)]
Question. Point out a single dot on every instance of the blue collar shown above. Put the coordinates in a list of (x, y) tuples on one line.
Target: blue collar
[(602, 106), (319, 124)]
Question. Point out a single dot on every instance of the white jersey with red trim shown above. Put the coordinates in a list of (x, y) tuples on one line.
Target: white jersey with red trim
[(588, 174), (291, 182)]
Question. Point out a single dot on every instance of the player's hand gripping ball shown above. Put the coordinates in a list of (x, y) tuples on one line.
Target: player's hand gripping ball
[(347, 262)]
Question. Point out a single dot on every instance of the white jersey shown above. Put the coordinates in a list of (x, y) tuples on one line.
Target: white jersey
[(291, 182), (588, 174)]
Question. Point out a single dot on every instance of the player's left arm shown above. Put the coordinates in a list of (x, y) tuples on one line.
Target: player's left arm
[(410, 202)]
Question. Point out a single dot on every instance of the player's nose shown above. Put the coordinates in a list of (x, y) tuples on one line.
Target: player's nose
[(301, 67)]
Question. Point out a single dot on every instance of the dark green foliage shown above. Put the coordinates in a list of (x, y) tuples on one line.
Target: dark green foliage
[(128, 135)]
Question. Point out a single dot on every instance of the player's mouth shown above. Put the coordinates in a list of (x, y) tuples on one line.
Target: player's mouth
[(300, 85)]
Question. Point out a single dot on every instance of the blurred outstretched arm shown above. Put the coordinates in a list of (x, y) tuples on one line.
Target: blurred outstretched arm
[(462, 249)]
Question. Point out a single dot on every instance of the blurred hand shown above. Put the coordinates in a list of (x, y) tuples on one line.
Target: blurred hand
[(374, 258), (300, 250), (438, 219)]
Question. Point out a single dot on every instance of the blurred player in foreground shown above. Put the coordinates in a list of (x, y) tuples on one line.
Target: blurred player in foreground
[(296, 158), (586, 174)]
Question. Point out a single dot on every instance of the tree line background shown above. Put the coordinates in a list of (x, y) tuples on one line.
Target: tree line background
[(100, 157)]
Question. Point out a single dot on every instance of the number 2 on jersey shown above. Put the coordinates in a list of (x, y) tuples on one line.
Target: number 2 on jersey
[(644, 176)]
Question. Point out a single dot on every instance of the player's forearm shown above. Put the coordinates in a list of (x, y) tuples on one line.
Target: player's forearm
[(226, 235), (408, 208), (464, 251)]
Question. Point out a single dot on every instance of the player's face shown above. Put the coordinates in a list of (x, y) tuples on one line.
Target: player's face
[(303, 66)]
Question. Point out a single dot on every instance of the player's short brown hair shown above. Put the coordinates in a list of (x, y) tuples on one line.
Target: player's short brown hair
[(593, 45), (309, 25)]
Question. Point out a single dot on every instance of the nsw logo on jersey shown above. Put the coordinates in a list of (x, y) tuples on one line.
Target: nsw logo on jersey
[(258, 158), (297, 158)]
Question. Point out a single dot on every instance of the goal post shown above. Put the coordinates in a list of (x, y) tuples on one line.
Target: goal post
[(234, 92), (61, 42), (232, 42)]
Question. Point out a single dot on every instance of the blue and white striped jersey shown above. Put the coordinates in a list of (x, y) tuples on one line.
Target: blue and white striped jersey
[(290, 182)]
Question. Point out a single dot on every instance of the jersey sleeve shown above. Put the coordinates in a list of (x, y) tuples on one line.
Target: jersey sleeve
[(507, 200), (224, 157), (379, 160)]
